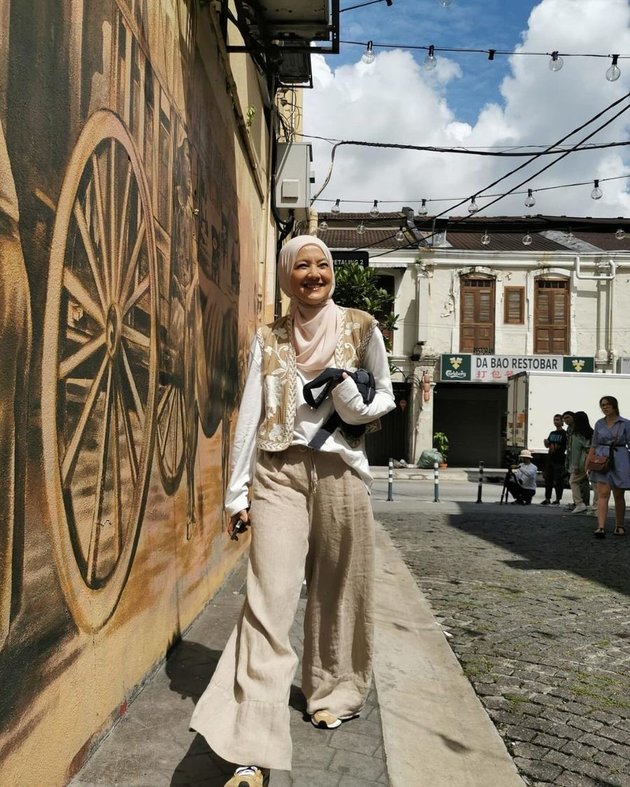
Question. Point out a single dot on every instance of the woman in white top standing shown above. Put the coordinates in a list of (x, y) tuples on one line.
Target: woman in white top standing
[(310, 517)]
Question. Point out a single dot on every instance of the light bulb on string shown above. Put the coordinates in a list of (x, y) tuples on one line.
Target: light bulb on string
[(361, 228), (620, 234), (485, 238), (614, 72), (445, 3), (399, 236), (530, 200), (323, 226), (336, 207), (368, 56), (374, 210), (472, 207), (527, 239), (422, 210), (556, 62), (596, 193), (430, 61)]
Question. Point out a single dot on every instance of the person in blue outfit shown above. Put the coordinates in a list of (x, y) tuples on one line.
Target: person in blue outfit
[(611, 430)]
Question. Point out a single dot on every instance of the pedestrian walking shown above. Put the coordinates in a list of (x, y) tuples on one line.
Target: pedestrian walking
[(579, 438), (310, 519), (555, 473), (609, 462), (522, 484)]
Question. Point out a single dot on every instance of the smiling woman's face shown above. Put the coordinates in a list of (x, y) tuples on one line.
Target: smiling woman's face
[(312, 277)]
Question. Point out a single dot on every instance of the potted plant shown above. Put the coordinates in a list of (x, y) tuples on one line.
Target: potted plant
[(440, 442)]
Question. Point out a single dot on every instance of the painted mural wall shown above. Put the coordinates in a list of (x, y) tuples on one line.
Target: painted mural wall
[(129, 232)]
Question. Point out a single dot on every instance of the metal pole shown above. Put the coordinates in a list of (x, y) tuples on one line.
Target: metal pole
[(436, 483), (480, 485), (390, 480)]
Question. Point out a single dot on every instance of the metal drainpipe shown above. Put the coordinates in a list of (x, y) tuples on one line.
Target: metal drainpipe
[(612, 355), (604, 325)]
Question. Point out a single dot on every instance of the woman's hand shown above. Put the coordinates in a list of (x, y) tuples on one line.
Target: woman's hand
[(239, 523)]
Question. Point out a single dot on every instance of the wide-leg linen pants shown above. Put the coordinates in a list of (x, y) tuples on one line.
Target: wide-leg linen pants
[(311, 518)]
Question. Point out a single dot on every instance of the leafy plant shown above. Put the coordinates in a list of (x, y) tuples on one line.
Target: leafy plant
[(440, 441), (357, 287)]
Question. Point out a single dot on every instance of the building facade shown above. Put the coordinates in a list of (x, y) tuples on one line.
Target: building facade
[(481, 299)]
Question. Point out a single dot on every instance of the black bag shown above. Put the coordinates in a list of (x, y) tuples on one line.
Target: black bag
[(331, 376), (325, 381)]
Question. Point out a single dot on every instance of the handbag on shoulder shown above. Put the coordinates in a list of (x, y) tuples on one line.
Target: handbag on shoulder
[(599, 464)]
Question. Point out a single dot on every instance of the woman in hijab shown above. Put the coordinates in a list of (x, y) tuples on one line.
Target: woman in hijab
[(311, 519)]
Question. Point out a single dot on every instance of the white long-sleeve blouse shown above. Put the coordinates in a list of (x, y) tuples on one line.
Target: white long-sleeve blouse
[(345, 399)]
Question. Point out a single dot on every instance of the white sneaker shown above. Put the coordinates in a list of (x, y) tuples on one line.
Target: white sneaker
[(580, 509)]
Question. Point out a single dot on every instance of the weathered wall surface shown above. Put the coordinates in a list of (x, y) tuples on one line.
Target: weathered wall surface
[(131, 228)]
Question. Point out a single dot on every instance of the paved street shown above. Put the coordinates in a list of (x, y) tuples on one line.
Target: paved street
[(537, 612)]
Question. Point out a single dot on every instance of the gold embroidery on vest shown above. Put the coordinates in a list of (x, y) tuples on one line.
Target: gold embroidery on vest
[(275, 433)]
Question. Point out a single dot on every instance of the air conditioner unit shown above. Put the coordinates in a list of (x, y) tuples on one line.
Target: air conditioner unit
[(623, 365), (293, 177)]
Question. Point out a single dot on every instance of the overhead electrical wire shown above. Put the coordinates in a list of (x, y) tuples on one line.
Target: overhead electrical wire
[(525, 164), (535, 156), (504, 152)]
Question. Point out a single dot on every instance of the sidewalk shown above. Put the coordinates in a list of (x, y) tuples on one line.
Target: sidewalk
[(423, 725)]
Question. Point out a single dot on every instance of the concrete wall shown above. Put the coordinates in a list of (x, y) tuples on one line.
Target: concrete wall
[(133, 230)]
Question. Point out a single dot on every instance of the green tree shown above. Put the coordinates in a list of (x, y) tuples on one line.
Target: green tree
[(358, 287)]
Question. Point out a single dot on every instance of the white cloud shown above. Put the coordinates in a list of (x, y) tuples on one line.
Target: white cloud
[(394, 100)]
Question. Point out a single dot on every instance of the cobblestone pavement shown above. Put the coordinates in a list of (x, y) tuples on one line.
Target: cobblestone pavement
[(537, 612)]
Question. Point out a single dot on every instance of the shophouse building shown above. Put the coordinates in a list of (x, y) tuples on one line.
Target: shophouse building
[(479, 299)]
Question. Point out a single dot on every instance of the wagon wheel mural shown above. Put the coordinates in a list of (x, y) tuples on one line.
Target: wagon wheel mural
[(99, 368), (177, 407)]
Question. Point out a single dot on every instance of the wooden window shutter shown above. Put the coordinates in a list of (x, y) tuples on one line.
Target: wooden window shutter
[(551, 314), (514, 305), (477, 315)]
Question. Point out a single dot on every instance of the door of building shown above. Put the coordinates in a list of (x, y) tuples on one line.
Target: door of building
[(392, 441), (473, 418)]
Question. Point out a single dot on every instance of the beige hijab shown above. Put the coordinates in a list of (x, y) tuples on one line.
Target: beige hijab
[(315, 328)]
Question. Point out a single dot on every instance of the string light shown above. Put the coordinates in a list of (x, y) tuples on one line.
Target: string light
[(430, 61), (399, 236), (445, 3), (614, 72), (374, 211), (336, 208), (620, 234), (323, 226), (368, 56), (596, 193), (473, 207), (485, 238), (423, 211), (527, 239), (556, 62), (530, 200), (361, 228)]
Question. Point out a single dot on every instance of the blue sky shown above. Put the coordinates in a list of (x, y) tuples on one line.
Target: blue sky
[(470, 102), (492, 24)]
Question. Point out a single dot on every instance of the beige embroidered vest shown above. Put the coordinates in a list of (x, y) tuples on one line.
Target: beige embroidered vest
[(279, 370)]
